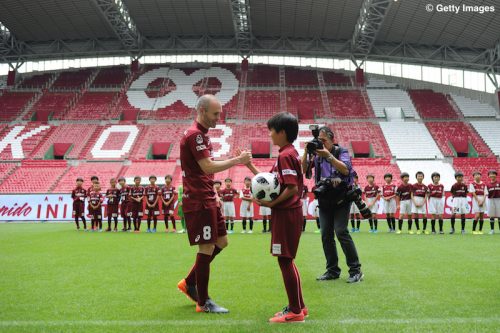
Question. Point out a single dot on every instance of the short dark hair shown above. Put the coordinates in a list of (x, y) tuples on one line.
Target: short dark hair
[(458, 174), (419, 173), (434, 174), (168, 176), (152, 176), (388, 175), (79, 179), (492, 172), (476, 173), (218, 182), (405, 174), (228, 179), (137, 177), (327, 130), (370, 175), (287, 122), (94, 177), (248, 178)]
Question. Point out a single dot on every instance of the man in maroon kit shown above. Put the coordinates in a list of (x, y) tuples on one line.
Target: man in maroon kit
[(78, 195), (286, 213), (205, 224), (113, 195), (168, 196), (125, 208)]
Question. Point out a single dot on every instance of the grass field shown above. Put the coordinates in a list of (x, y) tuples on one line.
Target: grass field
[(53, 278)]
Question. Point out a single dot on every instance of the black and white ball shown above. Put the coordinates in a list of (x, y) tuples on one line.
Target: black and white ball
[(265, 186)]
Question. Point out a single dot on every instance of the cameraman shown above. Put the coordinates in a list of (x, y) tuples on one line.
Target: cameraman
[(333, 163)]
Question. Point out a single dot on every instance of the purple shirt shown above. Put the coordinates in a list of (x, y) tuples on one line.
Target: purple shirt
[(329, 171)]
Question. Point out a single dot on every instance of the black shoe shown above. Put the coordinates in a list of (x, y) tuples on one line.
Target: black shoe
[(327, 276), (358, 277), (211, 307)]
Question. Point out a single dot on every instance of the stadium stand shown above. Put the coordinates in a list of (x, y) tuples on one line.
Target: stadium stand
[(72, 80), (428, 167), (374, 166), (347, 132), (6, 169), (348, 104), (144, 169), (472, 108), (469, 165), (104, 170), (304, 103), (92, 105), (410, 140), (261, 104), (32, 134), (490, 133), (300, 77), (336, 79), (50, 105), (450, 135), (381, 99), (34, 177), (261, 75), (110, 77), (13, 103), (36, 81), (432, 105)]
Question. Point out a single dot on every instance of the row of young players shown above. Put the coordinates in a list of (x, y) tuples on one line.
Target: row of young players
[(413, 200), (129, 201)]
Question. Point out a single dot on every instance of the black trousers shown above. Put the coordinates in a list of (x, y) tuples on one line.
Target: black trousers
[(333, 221)]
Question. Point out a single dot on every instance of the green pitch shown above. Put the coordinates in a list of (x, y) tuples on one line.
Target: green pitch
[(53, 278)]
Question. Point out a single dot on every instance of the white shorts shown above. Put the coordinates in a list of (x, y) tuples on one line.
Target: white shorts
[(305, 203), (243, 209), (494, 207), (155, 213), (354, 209), (264, 211), (460, 206), (476, 208), (313, 208), (436, 206), (374, 208), (229, 210), (404, 207), (419, 210), (389, 207)]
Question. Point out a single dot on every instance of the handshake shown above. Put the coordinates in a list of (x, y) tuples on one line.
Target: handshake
[(244, 156)]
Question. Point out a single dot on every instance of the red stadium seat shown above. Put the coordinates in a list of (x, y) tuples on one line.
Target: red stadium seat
[(349, 104), (432, 105)]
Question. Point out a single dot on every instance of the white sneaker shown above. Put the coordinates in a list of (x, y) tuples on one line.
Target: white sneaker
[(181, 231), (243, 231), (492, 232), (250, 232)]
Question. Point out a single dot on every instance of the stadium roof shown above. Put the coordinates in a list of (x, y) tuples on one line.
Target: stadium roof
[(388, 30)]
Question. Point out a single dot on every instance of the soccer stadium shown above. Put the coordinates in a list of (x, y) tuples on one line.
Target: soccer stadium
[(140, 139)]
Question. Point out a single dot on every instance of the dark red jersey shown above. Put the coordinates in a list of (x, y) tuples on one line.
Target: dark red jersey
[(371, 191), (288, 169), (228, 194), (419, 190), (478, 188), (151, 193), (404, 192), (115, 196), (125, 195), (95, 197), (168, 192), (246, 193), (388, 190), (79, 194), (493, 189), (459, 190), (198, 186), (136, 191), (436, 191)]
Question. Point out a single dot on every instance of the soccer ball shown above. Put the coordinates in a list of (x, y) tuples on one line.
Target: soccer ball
[(265, 186)]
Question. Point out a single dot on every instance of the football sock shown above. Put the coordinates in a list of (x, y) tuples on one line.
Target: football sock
[(191, 277), (304, 225), (100, 224), (149, 223), (77, 223), (264, 224), (400, 224), (84, 223), (172, 218), (492, 223), (440, 224), (202, 268), (166, 222), (291, 280), (244, 224), (251, 224), (410, 222), (474, 225), (453, 222), (371, 223), (375, 223), (116, 221), (358, 223), (301, 299), (433, 225), (109, 222), (389, 222), (155, 222), (393, 223), (425, 223), (463, 223), (139, 224), (227, 225), (232, 224), (352, 223), (481, 221), (417, 224), (319, 226)]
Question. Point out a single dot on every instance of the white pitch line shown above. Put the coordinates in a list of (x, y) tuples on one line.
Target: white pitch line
[(231, 322)]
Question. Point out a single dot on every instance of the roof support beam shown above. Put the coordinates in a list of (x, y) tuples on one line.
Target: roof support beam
[(240, 11), (371, 17), (9, 45), (117, 15)]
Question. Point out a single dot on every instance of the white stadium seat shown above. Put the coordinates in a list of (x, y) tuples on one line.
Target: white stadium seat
[(473, 108), (428, 167), (490, 133), (391, 98)]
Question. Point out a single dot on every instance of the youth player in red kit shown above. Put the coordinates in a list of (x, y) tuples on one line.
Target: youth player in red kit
[(125, 206), (205, 225), (246, 206), (168, 195), (113, 195), (78, 195), (152, 193), (460, 204), (95, 202), (286, 213), (372, 196), (136, 198), (305, 205), (93, 179), (389, 195), (436, 204), (228, 194), (404, 198), (478, 190), (419, 194), (493, 192)]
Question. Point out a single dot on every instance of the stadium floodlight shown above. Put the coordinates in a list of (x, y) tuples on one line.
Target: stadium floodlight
[(240, 10), (118, 17)]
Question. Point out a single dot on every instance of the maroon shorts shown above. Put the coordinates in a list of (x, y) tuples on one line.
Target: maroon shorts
[(136, 209), (78, 208), (286, 229), (205, 224), (152, 211), (112, 210), (168, 210), (95, 213), (125, 209)]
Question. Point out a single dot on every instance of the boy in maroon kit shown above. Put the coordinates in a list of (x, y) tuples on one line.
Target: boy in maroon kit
[(78, 195), (113, 195), (205, 225), (93, 179), (168, 196), (372, 197), (125, 208), (228, 195), (286, 213), (152, 193), (136, 196), (95, 204), (460, 205), (493, 193), (404, 201)]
